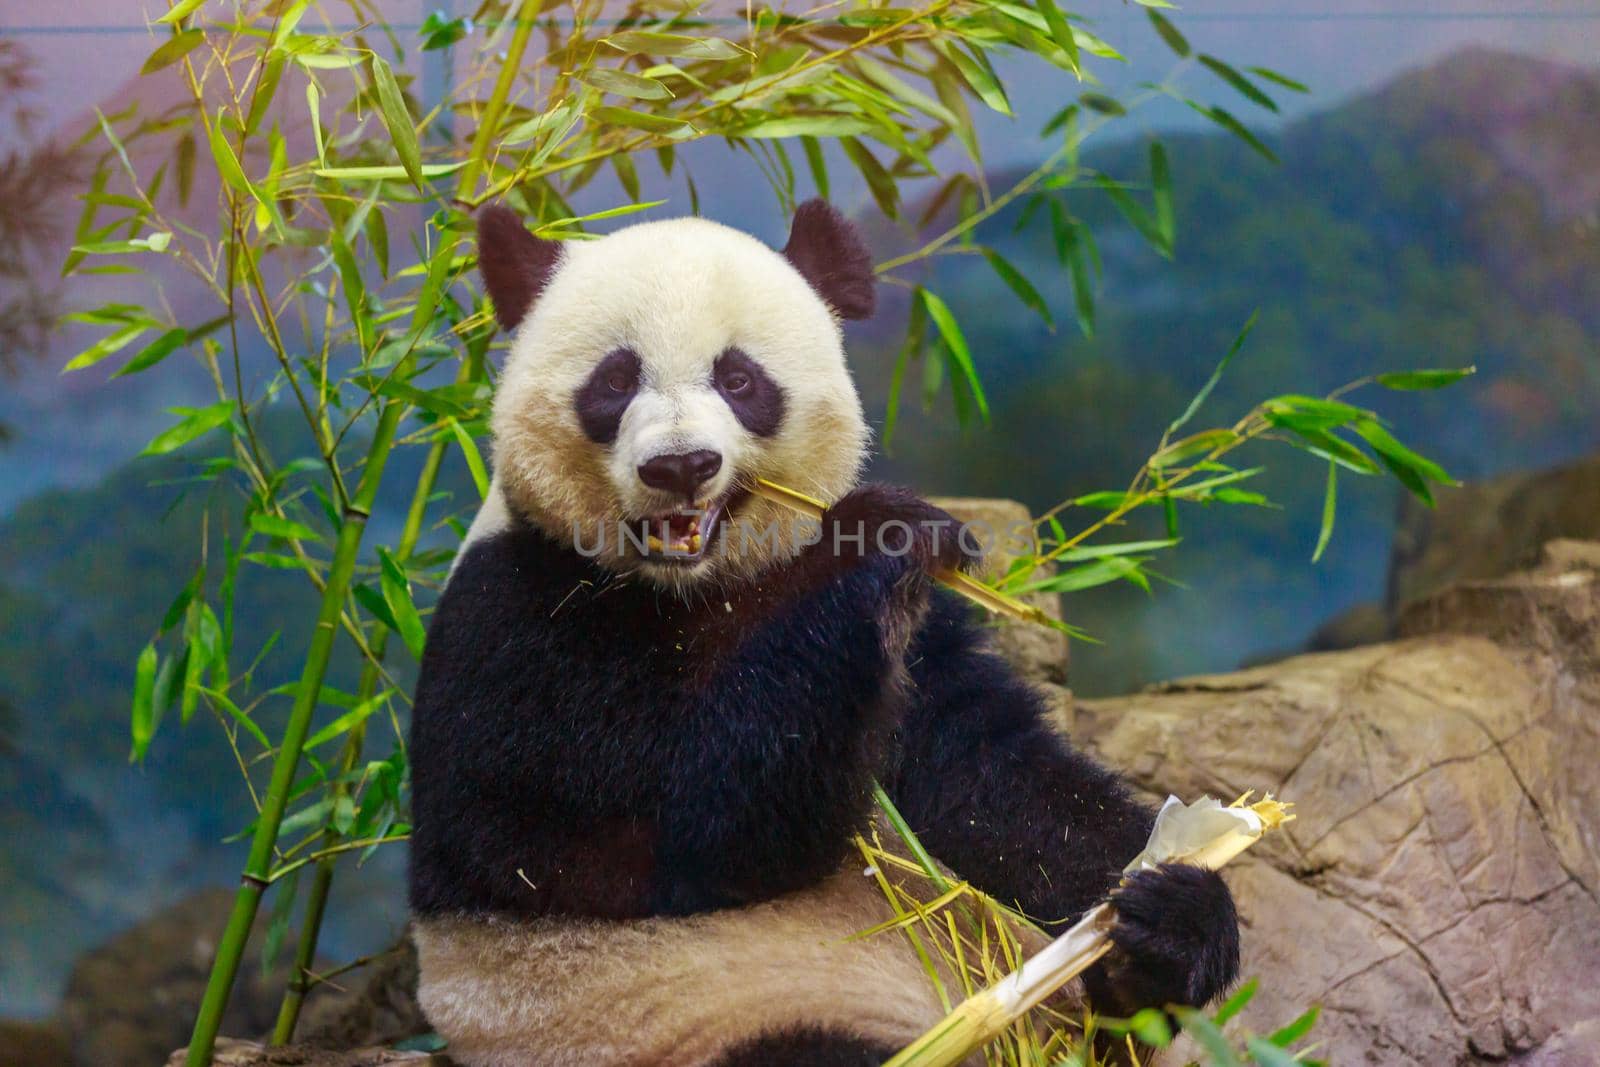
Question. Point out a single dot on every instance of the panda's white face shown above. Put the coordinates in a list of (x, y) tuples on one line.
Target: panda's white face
[(661, 369)]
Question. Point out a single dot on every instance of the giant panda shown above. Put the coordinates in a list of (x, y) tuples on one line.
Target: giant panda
[(643, 741)]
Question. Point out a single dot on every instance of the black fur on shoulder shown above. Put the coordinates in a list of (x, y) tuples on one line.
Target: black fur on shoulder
[(516, 265), (807, 1047), (827, 249)]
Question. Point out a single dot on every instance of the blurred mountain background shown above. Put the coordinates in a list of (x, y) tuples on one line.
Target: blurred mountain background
[(1449, 216)]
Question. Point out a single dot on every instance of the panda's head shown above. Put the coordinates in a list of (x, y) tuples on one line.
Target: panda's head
[(656, 371)]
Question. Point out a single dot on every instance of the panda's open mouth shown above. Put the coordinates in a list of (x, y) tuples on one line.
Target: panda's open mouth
[(687, 535)]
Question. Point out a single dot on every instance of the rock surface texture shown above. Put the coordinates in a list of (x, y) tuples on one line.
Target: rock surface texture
[(1439, 893)]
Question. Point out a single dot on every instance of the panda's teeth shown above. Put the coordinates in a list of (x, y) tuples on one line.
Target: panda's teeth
[(694, 543), (654, 543)]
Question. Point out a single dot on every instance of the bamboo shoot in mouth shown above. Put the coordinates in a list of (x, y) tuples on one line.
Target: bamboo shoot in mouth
[(1206, 833)]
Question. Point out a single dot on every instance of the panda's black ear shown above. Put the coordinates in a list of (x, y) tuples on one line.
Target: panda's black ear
[(514, 263), (827, 249)]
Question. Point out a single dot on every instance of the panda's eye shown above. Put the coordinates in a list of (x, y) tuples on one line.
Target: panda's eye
[(736, 381), (618, 382)]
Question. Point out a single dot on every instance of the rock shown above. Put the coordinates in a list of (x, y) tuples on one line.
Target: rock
[(1364, 624), (29, 1043), (379, 1009), (132, 1000), (1439, 893), (1491, 529), (232, 1053)]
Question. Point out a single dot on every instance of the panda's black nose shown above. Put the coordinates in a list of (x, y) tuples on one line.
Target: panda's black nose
[(682, 473)]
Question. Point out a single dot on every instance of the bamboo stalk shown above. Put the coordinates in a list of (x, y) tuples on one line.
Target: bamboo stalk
[(230, 948), (317, 897), (1205, 834), (984, 595)]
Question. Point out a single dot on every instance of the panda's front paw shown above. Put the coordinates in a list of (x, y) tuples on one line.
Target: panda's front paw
[(1177, 939), (890, 521)]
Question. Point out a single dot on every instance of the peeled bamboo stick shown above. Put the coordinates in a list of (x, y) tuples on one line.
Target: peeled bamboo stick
[(1205, 833), (980, 593)]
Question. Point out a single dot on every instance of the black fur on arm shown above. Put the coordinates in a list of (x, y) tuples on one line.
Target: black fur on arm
[(1003, 798)]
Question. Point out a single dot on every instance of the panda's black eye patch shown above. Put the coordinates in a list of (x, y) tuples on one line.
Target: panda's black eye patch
[(603, 397), (756, 400)]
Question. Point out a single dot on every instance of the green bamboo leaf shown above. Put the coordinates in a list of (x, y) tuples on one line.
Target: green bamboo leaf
[(227, 163), (159, 241), (1076, 237), (1294, 1031), (223, 701), (672, 45), (112, 343), (1194, 445), (977, 73), (1169, 33), (469, 451), (1089, 575), (1150, 1026), (392, 105), (1237, 1002), (1061, 32), (638, 120), (831, 125), (1081, 553), (1397, 457), (196, 422), (343, 723), (1216, 375), (608, 213), (1161, 190), (1267, 1054), (275, 560), (155, 351), (314, 106), (1019, 284), (144, 689), (278, 526), (1105, 500), (439, 31), (1279, 79), (1226, 120), (1135, 212), (182, 9), (623, 83), (386, 173), (1208, 1036), (1103, 104), (1330, 505), (397, 595), (1320, 442), (956, 344), (1244, 85), (172, 50), (879, 181), (818, 165), (1424, 379), (373, 601), (266, 88), (916, 336)]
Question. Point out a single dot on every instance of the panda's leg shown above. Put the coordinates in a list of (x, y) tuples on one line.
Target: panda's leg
[(807, 1047)]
